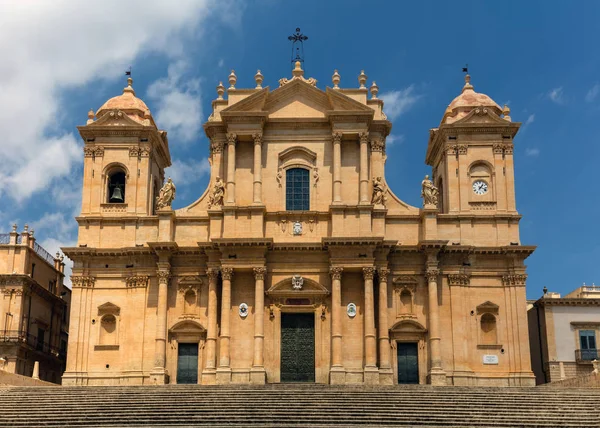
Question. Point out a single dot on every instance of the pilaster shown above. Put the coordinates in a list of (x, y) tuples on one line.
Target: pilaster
[(337, 374), (257, 373), (209, 375), (224, 370)]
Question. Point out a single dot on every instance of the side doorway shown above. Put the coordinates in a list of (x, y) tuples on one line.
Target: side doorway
[(187, 363), (408, 362)]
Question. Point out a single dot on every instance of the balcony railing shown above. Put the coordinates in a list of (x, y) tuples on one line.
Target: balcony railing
[(45, 255), (20, 336), (587, 355)]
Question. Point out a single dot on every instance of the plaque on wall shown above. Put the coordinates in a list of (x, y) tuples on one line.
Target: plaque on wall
[(243, 310), (490, 359), (351, 310)]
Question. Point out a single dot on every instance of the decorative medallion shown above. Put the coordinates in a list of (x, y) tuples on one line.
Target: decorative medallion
[(351, 310), (297, 282), (243, 310), (297, 228)]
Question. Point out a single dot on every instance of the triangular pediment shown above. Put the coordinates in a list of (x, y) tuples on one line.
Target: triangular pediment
[(114, 118), (488, 307), (297, 286), (108, 308), (343, 103), (481, 116)]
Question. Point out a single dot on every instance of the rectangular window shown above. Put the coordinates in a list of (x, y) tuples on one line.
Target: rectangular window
[(40, 339), (297, 190), (587, 340)]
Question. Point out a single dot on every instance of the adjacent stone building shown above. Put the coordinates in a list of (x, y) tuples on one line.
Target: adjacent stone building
[(298, 263), (564, 333), (34, 307)]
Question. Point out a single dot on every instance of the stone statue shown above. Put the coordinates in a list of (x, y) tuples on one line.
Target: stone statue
[(316, 176), (378, 192), (218, 191), (429, 192), (279, 176), (166, 195)]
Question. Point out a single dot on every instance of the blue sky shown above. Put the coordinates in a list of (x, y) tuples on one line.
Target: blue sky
[(65, 57)]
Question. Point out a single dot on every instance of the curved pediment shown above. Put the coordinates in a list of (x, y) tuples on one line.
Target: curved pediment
[(297, 286), (108, 308), (115, 118), (408, 326), (187, 327)]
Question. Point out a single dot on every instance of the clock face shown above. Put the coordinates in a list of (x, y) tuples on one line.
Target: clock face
[(480, 187)]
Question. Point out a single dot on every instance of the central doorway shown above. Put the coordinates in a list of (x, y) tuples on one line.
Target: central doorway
[(187, 363), (297, 347), (408, 362)]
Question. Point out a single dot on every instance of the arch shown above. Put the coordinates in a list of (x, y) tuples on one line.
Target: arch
[(189, 302), (297, 155), (115, 185), (408, 326), (480, 167), (187, 326), (108, 330), (489, 331)]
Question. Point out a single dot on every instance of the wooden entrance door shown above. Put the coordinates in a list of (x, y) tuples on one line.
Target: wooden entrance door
[(187, 363), (408, 362), (297, 347)]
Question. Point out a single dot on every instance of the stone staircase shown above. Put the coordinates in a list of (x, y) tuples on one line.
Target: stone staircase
[(298, 405)]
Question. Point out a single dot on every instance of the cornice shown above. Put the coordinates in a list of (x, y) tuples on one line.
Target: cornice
[(243, 242), (566, 301), (327, 242)]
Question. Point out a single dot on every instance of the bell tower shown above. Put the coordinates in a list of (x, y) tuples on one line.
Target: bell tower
[(125, 157), (471, 154)]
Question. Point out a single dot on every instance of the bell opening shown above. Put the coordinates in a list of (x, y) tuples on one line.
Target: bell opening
[(116, 188)]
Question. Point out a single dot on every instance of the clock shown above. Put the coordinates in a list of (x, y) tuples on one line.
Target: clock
[(480, 187)]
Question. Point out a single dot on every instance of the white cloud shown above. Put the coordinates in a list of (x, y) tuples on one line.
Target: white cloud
[(221, 62), (532, 152), (179, 104), (556, 95), (63, 44), (592, 93), (394, 139), (184, 173), (399, 102), (530, 119)]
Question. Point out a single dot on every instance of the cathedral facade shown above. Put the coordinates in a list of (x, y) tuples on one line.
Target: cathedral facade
[(298, 263)]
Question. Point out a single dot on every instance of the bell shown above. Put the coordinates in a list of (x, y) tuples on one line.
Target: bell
[(117, 195)]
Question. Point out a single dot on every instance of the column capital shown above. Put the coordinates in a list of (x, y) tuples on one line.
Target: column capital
[(383, 273), (257, 137), (216, 146), (363, 137), (432, 274), (336, 272), (212, 273), (163, 275), (227, 273), (259, 273), (231, 138), (368, 272), (336, 137), (377, 144)]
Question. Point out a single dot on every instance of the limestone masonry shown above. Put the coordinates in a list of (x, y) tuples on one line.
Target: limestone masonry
[(298, 263)]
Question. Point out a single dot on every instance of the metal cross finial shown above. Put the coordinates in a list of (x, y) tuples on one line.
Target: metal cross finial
[(466, 68), (128, 72), (299, 38)]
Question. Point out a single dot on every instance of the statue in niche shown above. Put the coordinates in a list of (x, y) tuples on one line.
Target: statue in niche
[(218, 191), (279, 176), (429, 192), (166, 195), (378, 192)]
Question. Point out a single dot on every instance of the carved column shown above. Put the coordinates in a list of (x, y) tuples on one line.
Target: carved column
[(437, 375), (385, 368), (216, 150), (364, 167), (258, 369), (377, 149), (224, 371), (231, 140), (337, 166), (159, 372), (337, 373), (371, 374), (211, 332), (257, 168)]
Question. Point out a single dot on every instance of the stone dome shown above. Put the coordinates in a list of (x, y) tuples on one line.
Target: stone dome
[(128, 103), (468, 99)]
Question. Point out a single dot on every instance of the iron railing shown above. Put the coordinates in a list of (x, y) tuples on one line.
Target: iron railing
[(45, 255), (4, 238), (21, 336), (587, 354)]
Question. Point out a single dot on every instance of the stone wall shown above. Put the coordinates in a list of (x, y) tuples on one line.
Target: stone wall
[(591, 380), (18, 380)]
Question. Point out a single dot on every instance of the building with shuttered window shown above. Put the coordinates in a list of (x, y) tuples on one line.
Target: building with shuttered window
[(298, 262)]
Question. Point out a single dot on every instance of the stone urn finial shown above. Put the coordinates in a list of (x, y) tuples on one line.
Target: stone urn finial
[(335, 79), (232, 79), (220, 91), (374, 90), (258, 78), (362, 79)]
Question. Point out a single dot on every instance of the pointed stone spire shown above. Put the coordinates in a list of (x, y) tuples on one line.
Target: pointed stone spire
[(468, 85), (220, 91), (129, 88), (258, 78), (506, 113), (335, 79), (232, 79), (374, 90), (362, 79)]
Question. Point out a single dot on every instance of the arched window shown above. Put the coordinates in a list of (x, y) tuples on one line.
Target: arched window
[(189, 302), (297, 189), (115, 191), (406, 301), (108, 330), (488, 329), (481, 180)]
